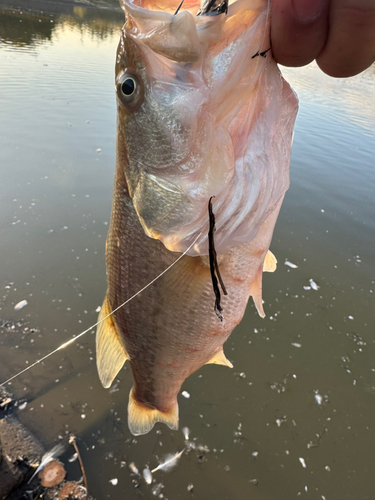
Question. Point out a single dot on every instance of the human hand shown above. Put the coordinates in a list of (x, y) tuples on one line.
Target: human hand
[(339, 34)]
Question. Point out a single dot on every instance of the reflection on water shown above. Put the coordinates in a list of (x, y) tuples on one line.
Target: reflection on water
[(25, 28), (295, 415)]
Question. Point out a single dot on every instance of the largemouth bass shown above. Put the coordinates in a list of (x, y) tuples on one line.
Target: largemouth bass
[(203, 112)]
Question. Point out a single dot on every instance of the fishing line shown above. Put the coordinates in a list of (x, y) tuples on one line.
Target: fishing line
[(73, 339)]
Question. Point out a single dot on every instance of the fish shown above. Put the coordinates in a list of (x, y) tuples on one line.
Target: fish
[(203, 116)]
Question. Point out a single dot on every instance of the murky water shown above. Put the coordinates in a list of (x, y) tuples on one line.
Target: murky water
[(295, 417)]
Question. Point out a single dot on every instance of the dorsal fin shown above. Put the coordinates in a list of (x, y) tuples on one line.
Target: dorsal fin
[(270, 262), (141, 418), (219, 359), (110, 352)]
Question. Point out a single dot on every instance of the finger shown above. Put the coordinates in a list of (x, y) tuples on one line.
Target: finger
[(350, 47), (298, 30)]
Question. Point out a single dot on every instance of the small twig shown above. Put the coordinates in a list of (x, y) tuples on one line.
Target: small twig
[(72, 441)]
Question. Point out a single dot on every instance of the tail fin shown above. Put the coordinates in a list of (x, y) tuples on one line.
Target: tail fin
[(142, 419)]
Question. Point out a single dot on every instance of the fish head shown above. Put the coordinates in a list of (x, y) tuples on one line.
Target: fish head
[(192, 123), (159, 102)]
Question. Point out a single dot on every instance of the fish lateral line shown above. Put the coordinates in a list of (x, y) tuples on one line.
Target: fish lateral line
[(73, 339), (214, 266)]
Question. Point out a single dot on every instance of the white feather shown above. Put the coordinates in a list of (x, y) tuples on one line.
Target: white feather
[(169, 462), (47, 457)]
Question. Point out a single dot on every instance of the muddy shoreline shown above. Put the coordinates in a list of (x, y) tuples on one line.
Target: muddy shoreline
[(21, 454)]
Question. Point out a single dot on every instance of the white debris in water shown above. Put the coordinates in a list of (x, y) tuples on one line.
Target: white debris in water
[(185, 394), (23, 406), (255, 454), (114, 481), (318, 398), (313, 285), (350, 317), (186, 432), (133, 468), (83, 415), (147, 476), (295, 344), (98, 309), (156, 490), (5, 402), (73, 458), (303, 463), (20, 305), (290, 264)]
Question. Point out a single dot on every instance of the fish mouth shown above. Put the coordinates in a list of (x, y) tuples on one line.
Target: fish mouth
[(164, 9), (150, 9)]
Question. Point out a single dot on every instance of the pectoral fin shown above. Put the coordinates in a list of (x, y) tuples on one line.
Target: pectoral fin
[(256, 292), (110, 352), (141, 418), (270, 262), (219, 359)]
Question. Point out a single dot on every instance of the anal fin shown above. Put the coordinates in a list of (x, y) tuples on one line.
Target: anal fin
[(256, 292), (219, 359), (110, 352), (270, 262), (141, 418)]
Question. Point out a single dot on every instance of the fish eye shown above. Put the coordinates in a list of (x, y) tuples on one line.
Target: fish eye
[(127, 88)]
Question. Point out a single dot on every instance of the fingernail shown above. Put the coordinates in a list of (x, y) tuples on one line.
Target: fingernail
[(307, 10)]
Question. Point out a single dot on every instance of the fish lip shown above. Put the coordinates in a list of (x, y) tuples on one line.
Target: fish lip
[(159, 15), (141, 12)]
